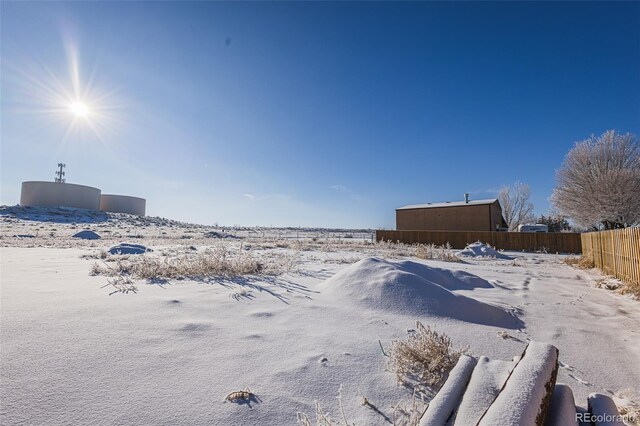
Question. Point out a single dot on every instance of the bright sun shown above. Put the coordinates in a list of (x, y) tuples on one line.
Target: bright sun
[(79, 109)]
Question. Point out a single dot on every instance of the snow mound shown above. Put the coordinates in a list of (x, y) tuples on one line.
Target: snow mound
[(479, 249), (126, 248), (412, 288), (87, 235)]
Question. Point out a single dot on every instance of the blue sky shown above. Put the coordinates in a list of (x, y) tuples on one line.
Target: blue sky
[(310, 114)]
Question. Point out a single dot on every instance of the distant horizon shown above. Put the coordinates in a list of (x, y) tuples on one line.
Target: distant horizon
[(315, 115)]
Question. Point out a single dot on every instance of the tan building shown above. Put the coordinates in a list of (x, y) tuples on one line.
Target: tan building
[(477, 215)]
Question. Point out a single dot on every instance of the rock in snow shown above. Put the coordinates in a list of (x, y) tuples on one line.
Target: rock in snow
[(413, 288), (215, 234), (125, 248), (479, 249), (87, 235)]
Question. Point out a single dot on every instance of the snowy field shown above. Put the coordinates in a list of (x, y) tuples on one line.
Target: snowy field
[(314, 318)]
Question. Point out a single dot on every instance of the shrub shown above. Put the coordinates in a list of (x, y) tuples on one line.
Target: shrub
[(426, 357)]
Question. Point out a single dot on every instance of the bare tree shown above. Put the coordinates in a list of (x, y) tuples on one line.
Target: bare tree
[(598, 185), (516, 207)]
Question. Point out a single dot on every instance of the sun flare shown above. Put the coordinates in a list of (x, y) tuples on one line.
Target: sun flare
[(79, 109)]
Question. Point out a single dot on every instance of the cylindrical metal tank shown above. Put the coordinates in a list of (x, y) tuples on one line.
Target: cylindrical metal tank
[(123, 204), (58, 194)]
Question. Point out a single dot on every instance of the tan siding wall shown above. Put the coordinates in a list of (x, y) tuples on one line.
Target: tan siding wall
[(496, 216), (458, 218)]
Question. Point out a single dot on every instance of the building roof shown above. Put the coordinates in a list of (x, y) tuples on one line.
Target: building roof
[(448, 204)]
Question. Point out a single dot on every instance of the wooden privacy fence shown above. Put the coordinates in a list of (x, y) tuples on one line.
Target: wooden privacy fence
[(615, 252), (560, 242)]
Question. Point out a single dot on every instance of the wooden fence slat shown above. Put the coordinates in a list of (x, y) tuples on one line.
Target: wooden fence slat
[(557, 242), (616, 252)]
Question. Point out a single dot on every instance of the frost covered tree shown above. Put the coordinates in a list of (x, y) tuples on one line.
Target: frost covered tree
[(598, 185), (516, 207), (555, 222)]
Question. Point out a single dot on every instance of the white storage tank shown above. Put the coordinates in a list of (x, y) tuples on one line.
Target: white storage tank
[(59, 194), (533, 228), (123, 204)]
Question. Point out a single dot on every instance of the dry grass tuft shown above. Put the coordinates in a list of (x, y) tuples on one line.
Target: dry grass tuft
[(409, 414), (341, 260), (579, 262), (391, 250), (282, 263), (101, 254), (628, 403), (122, 285), (403, 414), (518, 262), (424, 359), (218, 261), (323, 418), (241, 294), (632, 289), (434, 252), (607, 284)]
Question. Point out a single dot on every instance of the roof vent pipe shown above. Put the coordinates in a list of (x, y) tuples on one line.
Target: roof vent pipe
[(466, 198)]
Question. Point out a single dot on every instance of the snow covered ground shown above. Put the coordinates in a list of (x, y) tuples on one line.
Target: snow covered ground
[(170, 353)]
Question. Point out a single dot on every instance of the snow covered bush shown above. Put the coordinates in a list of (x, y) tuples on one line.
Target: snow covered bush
[(217, 261), (426, 357)]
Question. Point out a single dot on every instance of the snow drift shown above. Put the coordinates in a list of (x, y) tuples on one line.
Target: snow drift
[(87, 235), (479, 249), (412, 288)]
